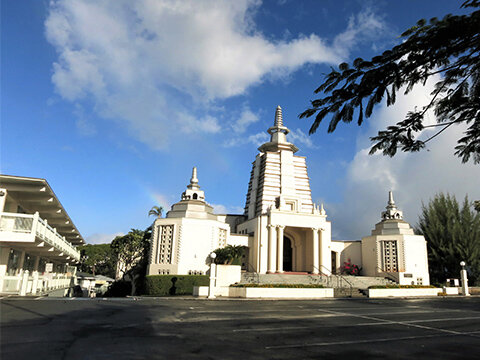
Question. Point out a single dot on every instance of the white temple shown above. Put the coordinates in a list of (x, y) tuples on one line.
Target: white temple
[(281, 226)]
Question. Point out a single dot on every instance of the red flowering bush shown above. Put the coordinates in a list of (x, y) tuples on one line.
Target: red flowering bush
[(350, 268)]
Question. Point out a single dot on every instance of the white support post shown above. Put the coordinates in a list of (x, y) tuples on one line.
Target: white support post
[(272, 251), (35, 282), (23, 287), (213, 270), (464, 279), (35, 224), (315, 269), (280, 248)]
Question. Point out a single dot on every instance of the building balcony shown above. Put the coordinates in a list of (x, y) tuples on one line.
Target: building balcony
[(31, 231)]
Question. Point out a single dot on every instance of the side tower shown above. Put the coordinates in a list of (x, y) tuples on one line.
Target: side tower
[(182, 241), (394, 250), (287, 232)]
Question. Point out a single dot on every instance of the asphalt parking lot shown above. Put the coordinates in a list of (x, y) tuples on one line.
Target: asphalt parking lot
[(187, 328)]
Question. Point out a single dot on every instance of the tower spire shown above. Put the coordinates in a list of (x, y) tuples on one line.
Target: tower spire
[(392, 212), (194, 180), (278, 117), (278, 135), (193, 191)]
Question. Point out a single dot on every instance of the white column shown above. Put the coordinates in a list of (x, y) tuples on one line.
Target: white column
[(23, 287), (316, 265), (280, 248), (213, 270), (464, 279), (325, 252), (272, 251), (35, 282)]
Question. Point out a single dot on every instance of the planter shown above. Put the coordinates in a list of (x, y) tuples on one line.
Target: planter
[(376, 293), (280, 293)]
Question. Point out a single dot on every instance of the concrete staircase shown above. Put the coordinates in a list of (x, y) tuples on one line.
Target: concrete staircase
[(344, 285)]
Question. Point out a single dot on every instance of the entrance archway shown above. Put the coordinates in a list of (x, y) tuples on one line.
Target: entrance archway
[(287, 254)]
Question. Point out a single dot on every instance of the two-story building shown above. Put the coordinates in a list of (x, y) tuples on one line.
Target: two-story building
[(38, 240)]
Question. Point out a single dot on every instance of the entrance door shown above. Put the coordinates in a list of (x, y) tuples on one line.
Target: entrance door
[(287, 254), (334, 262)]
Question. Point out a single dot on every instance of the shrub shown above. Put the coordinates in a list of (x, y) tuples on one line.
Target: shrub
[(293, 286), (349, 268), (119, 288), (165, 285)]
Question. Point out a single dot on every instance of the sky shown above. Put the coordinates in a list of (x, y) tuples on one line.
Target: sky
[(114, 102)]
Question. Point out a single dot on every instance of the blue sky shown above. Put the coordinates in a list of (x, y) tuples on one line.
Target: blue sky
[(113, 102)]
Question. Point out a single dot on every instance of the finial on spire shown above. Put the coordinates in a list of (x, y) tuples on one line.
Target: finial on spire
[(278, 117), (392, 212), (193, 191), (194, 179), (390, 198), (322, 210)]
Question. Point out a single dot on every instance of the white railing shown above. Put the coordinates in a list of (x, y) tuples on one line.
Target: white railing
[(34, 283), (33, 224)]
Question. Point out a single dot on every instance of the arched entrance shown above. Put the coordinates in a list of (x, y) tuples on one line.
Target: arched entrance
[(287, 254)]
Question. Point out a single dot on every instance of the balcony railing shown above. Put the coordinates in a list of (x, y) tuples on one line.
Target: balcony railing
[(37, 227), (34, 283)]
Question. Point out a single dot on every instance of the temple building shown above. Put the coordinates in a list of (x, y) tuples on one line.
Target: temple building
[(281, 226)]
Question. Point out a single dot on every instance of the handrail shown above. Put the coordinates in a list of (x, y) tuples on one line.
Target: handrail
[(254, 272), (337, 276), (391, 277)]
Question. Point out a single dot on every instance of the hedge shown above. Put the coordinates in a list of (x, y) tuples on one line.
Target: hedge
[(294, 286), (401, 287), (166, 285)]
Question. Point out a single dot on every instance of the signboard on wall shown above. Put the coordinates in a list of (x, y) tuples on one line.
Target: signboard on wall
[(48, 267)]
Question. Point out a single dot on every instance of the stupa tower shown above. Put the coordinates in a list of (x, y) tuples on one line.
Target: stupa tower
[(279, 178)]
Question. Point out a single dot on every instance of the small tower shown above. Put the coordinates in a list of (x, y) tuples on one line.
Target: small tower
[(193, 191), (392, 212)]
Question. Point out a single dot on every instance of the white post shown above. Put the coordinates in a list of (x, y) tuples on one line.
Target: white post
[(23, 287), (35, 224), (315, 269), (213, 268), (464, 279), (280, 248), (272, 251), (35, 282)]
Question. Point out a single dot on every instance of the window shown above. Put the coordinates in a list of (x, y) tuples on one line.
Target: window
[(222, 237), (390, 257), (165, 244)]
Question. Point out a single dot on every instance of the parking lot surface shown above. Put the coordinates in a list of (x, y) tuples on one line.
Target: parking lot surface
[(187, 328)]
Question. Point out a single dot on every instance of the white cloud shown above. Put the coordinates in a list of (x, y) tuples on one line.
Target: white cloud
[(153, 66), (225, 209), (101, 238), (414, 177), (246, 118), (365, 25), (298, 137)]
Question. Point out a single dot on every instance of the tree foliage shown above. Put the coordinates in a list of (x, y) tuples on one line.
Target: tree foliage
[(98, 259), (156, 211), (453, 234), (131, 251), (450, 47), (229, 254)]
